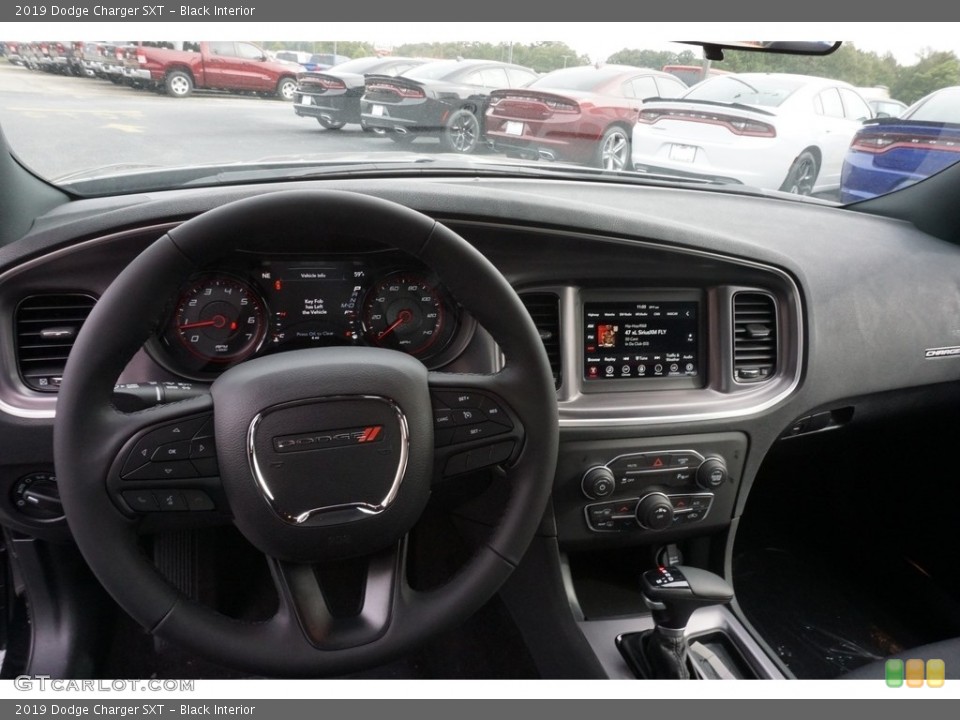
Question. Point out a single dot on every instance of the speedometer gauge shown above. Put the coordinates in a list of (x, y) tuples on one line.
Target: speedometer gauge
[(219, 320), (404, 311)]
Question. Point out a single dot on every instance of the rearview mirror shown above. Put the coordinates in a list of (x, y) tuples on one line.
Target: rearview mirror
[(714, 50)]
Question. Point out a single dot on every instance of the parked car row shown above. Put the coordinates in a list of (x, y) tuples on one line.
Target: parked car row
[(177, 68)]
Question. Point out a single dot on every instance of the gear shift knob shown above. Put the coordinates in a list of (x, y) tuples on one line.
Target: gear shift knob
[(673, 592)]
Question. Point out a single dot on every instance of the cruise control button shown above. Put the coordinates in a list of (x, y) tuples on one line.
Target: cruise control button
[(468, 416), (494, 412), (478, 431), (442, 418), (141, 500), (174, 470), (457, 400)]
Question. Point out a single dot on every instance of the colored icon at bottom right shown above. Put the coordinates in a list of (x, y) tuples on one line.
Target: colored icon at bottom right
[(914, 671)]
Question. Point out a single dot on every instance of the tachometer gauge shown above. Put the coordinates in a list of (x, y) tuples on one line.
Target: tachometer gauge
[(404, 311), (219, 319)]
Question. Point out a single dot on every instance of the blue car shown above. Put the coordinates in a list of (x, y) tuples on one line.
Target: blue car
[(890, 153)]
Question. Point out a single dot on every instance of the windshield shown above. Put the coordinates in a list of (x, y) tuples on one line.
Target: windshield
[(106, 117)]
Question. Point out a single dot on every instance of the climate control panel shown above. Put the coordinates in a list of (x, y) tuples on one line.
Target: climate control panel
[(648, 489)]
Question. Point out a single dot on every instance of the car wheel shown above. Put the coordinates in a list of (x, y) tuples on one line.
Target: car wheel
[(462, 133), (286, 89), (613, 152), (330, 124), (802, 175), (179, 84)]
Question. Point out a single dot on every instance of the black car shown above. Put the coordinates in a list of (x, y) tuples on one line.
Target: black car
[(333, 96), (447, 99)]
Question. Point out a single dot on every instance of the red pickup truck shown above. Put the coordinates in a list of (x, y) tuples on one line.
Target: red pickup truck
[(215, 65)]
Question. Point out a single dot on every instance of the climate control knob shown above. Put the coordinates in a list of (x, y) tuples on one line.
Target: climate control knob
[(712, 473), (598, 483), (655, 511)]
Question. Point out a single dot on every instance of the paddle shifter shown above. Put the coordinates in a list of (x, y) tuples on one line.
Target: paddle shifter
[(672, 593)]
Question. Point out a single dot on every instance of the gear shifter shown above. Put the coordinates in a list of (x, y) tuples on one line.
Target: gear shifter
[(672, 593)]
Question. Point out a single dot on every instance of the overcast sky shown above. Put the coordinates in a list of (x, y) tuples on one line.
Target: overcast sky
[(597, 40)]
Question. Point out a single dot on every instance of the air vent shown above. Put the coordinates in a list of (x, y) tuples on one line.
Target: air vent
[(46, 327), (544, 308), (755, 337)]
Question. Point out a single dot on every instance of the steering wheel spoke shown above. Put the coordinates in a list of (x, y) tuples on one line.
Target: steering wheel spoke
[(166, 472), (342, 604), (473, 426)]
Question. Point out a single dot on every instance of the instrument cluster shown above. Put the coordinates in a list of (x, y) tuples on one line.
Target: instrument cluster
[(260, 305)]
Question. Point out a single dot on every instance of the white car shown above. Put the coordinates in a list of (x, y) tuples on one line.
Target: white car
[(774, 131)]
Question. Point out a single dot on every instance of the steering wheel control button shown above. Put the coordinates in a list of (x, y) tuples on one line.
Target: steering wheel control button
[(173, 470), (141, 500), (197, 500), (478, 431), (165, 445), (494, 412), (172, 451), (202, 448), (457, 400), (171, 501)]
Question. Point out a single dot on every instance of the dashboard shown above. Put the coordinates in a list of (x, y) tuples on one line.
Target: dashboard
[(666, 340)]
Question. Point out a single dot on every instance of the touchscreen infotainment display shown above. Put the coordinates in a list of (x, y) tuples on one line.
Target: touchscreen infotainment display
[(636, 340)]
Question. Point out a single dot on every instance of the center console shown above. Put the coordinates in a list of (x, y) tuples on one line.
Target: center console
[(647, 490)]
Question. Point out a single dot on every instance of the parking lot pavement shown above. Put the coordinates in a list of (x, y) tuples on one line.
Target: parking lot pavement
[(59, 125)]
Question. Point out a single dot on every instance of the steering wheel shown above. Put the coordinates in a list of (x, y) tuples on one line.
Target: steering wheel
[(319, 455)]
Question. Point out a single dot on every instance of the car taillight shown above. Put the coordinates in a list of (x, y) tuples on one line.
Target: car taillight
[(401, 90), (330, 83), (559, 105), (877, 143), (736, 125)]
